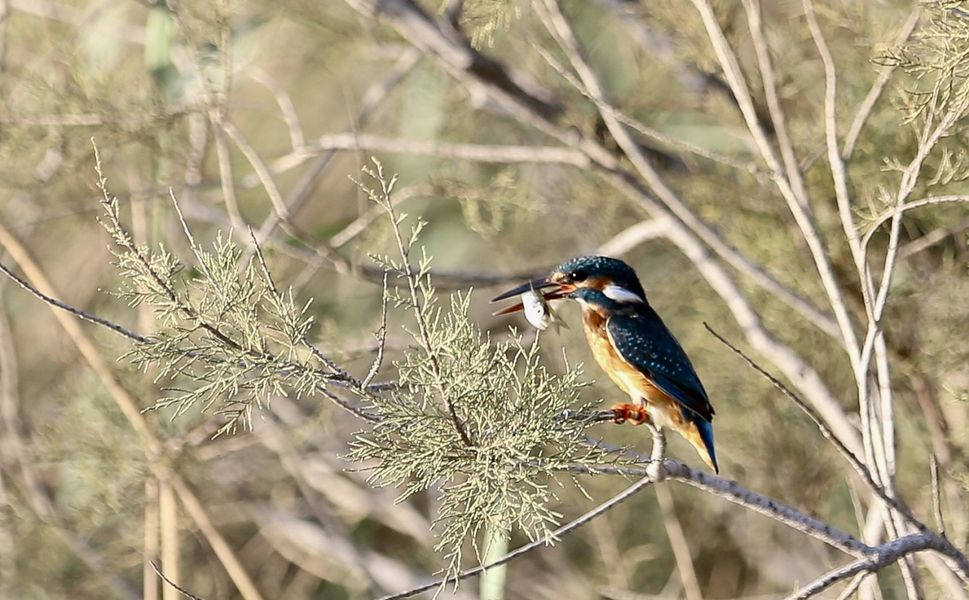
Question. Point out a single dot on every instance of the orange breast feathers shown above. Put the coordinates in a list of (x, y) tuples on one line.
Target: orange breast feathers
[(663, 409), (623, 374)]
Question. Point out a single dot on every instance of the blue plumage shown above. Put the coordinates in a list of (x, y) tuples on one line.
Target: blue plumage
[(641, 338), (706, 434), (644, 341), (632, 344)]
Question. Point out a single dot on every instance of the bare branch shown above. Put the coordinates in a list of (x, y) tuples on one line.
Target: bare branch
[(883, 556), (898, 210), (835, 161), (456, 151), (936, 496), (801, 212), (91, 318), (285, 103), (165, 578), (265, 177), (678, 542), (381, 337), (884, 76), (778, 118), (632, 236), (932, 238)]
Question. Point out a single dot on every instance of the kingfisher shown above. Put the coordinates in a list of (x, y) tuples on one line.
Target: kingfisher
[(633, 346)]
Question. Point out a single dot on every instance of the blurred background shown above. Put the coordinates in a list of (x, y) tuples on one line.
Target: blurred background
[(250, 110)]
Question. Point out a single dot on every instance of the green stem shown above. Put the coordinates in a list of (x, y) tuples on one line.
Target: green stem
[(493, 579)]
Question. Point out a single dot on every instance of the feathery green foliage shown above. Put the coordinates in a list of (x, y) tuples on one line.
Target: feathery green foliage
[(222, 325), (937, 58), (935, 102), (483, 423)]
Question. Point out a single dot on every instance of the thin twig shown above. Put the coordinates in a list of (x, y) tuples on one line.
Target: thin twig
[(262, 171), (285, 104), (489, 153), (679, 543), (91, 318), (936, 496), (778, 118), (802, 214), (835, 161), (884, 75), (413, 284), (381, 336), (165, 578), (543, 541), (852, 586), (852, 459), (897, 210), (932, 238)]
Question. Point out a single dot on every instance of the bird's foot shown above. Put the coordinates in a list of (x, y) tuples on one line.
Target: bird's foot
[(630, 412)]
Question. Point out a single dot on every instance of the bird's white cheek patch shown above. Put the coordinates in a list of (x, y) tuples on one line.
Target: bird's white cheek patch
[(620, 294)]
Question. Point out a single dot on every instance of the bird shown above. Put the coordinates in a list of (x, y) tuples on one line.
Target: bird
[(633, 345)]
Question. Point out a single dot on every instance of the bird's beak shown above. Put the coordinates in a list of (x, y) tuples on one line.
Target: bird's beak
[(560, 290)]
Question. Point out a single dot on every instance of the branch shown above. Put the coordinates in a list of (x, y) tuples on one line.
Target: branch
[(868, 104), (492, 153), (929, 201), (835, 161), (882, 556), (932, 238), (544, 541), (414, 284), (510, 90), (180, 589), (84, 315), (769, 79), (632, 236), (800, 211)]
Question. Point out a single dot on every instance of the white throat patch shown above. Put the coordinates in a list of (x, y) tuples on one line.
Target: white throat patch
[(621, 294)]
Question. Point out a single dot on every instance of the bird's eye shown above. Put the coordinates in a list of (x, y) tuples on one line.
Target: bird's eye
[(576, 276)]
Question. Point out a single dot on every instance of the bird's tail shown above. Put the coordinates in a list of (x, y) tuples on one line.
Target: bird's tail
[(702, 439)]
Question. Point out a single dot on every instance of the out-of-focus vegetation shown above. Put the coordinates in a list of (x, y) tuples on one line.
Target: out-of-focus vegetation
[(254, 114)]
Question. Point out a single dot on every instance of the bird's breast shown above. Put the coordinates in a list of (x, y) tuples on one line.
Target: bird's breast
[(639, 387), (621, 372)]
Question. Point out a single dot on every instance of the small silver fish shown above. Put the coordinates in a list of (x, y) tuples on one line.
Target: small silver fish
[(538, 311)]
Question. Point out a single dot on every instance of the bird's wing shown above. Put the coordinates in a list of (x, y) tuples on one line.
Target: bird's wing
[(644, 342)]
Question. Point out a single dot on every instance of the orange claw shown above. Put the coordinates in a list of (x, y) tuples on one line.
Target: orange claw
[(630, 412)]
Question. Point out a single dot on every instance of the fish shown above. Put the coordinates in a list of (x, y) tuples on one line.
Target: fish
[(539, 312)]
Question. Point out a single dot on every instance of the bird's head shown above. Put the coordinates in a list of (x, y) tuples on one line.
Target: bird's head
[(578, 277)]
